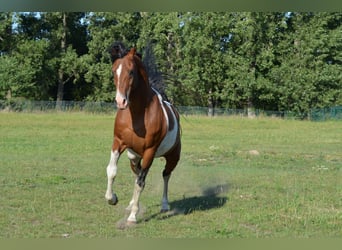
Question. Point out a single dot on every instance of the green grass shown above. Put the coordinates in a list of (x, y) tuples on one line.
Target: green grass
[(53, 179)]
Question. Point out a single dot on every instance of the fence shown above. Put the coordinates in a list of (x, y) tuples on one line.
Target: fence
[(52, 106), (333, 113)]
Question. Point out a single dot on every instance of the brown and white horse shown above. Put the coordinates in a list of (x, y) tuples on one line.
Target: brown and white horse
[(145, 125)]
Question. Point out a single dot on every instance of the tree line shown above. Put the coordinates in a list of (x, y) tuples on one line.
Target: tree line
[(273, 60)]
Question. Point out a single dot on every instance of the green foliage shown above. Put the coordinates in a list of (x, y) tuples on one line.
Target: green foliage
[(20, 71), (274, 61), (6, 37), (311, 72)]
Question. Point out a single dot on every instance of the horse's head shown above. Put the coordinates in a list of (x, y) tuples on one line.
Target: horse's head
[(126, 68)]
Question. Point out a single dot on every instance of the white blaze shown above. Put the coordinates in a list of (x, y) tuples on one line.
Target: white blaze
[(118, 71), (121, 99)]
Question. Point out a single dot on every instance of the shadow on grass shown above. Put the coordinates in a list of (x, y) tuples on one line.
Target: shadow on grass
[(212, 197)]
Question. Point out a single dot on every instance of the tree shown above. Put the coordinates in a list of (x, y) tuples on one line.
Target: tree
[(21, 61), (20, 70), (160, 43), (276, 61), (5, 60), (251, 54), (203, 70), (67, 35), (59, 41), (6, 32), (308, 74)]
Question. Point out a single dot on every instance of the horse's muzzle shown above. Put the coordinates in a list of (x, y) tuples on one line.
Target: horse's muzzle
[(121, 101)]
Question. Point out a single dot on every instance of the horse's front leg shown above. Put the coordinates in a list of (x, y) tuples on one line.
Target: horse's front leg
[(111, 173)]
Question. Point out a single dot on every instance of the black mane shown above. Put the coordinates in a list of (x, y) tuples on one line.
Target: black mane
[(117, 50)]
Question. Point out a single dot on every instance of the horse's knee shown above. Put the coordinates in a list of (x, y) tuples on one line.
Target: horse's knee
[(169, 167), (166, 173), (141, 183), (141, 178), (135, 167)]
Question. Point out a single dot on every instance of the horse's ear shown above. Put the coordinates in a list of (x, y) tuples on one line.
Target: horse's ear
[(132, 52), (117, 50)]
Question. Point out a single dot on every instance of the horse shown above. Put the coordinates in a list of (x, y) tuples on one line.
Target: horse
[(145, 124)]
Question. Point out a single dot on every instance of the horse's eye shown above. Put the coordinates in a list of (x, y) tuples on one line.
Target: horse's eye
[(131, 73)]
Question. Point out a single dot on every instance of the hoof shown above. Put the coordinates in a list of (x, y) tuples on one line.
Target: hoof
[(131, 223), (114, 200), (164, 210), (125, 224)]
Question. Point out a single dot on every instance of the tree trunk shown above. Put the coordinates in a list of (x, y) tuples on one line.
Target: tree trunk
[(250, 109), (211, 104), (60, 90)]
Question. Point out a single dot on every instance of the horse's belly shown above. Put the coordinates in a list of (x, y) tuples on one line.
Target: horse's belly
[(167, 143), (169, 140)]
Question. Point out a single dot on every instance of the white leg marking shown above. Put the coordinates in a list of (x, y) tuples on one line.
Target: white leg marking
[(134, 158), (111, 173), (130, 204), (135, 204)]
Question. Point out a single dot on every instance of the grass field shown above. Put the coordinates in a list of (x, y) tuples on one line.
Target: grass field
[(237, 177)]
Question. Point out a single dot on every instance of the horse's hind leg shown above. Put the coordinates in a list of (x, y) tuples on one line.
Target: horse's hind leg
[(165, 202), (171, 162)]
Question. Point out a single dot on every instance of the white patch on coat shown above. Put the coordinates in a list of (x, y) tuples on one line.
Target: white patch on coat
[(171, 136), (132, 155)]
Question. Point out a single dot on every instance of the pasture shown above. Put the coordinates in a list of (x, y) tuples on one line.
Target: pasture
[(237, 178)]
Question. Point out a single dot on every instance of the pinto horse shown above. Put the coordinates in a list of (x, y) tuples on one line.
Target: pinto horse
[(145, 125)]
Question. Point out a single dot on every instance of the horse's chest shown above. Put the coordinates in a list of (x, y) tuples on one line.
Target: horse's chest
[(138, 142)]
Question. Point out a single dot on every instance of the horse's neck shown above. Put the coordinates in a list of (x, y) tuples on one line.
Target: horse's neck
[(140, 99)]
